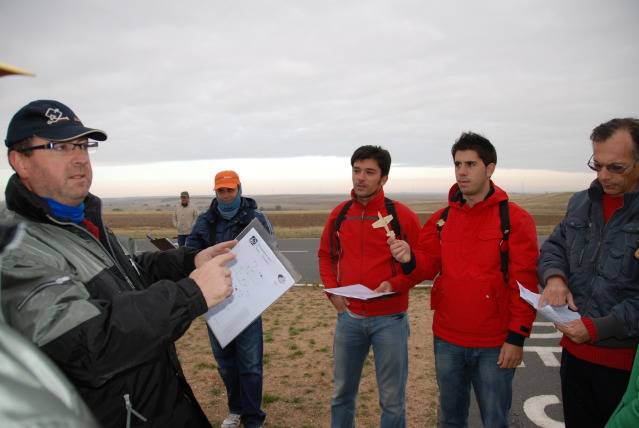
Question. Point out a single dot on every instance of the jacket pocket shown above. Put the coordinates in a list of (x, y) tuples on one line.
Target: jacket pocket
[(631, 261), (488, 248), (622, 263), (474, 307), (577, 239)]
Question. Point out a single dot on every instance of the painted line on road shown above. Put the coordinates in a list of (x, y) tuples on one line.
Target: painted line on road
[(534, 407), (554, 335), (546, 353)]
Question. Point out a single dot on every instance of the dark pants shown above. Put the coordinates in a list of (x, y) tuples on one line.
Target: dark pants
[(590, 392), (182, 240), (240, 366)]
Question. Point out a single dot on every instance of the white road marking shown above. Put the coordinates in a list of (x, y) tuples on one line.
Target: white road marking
[(535, 407), (546, 353), (556, 334)]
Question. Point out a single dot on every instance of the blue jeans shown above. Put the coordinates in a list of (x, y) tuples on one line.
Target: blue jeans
[(240, 366), (182, 240), (457, 368), (354, 336)]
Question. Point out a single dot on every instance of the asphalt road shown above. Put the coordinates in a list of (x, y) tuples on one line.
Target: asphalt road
[(536, 388)]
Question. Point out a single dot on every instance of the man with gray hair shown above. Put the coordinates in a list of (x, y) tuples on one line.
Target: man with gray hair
[(590, 263)]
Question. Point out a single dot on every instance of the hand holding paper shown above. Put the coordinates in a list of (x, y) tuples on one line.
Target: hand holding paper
[(559, 314)]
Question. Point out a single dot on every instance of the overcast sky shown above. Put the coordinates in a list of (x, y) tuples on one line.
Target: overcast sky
[(284, 91)]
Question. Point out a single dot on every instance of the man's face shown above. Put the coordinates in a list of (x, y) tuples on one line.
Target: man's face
[(62, 176), (618, 149), (226, 194), (367, 178), (473, 177), (184, 200)]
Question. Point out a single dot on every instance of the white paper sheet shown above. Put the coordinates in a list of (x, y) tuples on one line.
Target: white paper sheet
[(558, 314), (259, 279), (357, 291)]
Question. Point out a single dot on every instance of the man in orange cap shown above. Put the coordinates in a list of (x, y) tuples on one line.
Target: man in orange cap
[(240, 362)]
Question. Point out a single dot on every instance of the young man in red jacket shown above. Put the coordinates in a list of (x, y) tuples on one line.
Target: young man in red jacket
[(351, 252), (478, 248)]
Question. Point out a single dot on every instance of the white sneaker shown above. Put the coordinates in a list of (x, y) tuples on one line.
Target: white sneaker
[(231, 421)]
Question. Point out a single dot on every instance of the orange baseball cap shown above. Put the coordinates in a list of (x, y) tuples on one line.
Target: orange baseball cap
[(228, 179)]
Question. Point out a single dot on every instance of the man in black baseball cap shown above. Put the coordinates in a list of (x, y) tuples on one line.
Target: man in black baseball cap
[(108, 319), (50, 120)]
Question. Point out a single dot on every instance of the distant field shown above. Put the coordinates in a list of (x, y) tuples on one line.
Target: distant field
[(303, 216)]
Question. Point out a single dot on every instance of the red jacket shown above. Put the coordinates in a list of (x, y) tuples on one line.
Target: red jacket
[(364, 256), (473, 305)]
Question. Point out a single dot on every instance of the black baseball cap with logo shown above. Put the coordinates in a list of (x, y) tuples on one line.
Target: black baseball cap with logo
[(50, 120)]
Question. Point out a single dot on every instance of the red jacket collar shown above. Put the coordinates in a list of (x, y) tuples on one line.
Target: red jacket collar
[(376, 201), (455, 197)]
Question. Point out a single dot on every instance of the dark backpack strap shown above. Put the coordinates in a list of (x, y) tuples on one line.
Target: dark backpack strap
[(341, 216), (504, 218), (442, 221), (390, 209), (336, 225)]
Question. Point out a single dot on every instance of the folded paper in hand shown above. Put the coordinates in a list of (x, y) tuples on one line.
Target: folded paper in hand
[(559, 314), (357, 291)]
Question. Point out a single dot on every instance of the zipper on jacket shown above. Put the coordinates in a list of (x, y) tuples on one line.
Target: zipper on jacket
[(587, 241), (58, 281), (602, 233), (361, 250), (131, 411), (112, 257)]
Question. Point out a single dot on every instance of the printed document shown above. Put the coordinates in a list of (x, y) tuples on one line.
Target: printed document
[(559, 314), (259, 279), (357, 291)]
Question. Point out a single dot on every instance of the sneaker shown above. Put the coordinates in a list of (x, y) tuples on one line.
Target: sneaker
[(231, 421)]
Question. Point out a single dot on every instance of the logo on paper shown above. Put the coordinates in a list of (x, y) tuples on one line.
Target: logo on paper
[(54, 115), (253, 240)]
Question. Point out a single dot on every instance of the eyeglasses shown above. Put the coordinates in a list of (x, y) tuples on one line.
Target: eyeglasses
[(63, 147), (613, 168)]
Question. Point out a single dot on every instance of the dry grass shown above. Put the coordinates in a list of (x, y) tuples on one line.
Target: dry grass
[(546, 209), (298, 336)]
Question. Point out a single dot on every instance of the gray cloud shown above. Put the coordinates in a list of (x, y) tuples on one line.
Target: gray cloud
[(210, 79)]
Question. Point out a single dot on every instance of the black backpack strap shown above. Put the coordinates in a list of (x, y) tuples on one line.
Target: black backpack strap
[(390, 209), (341, 216), (504, 218), (442, 221), (336, 225)]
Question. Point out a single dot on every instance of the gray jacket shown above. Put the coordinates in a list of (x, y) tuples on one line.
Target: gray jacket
[(599, 264), (108, 319), (33, 392)]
